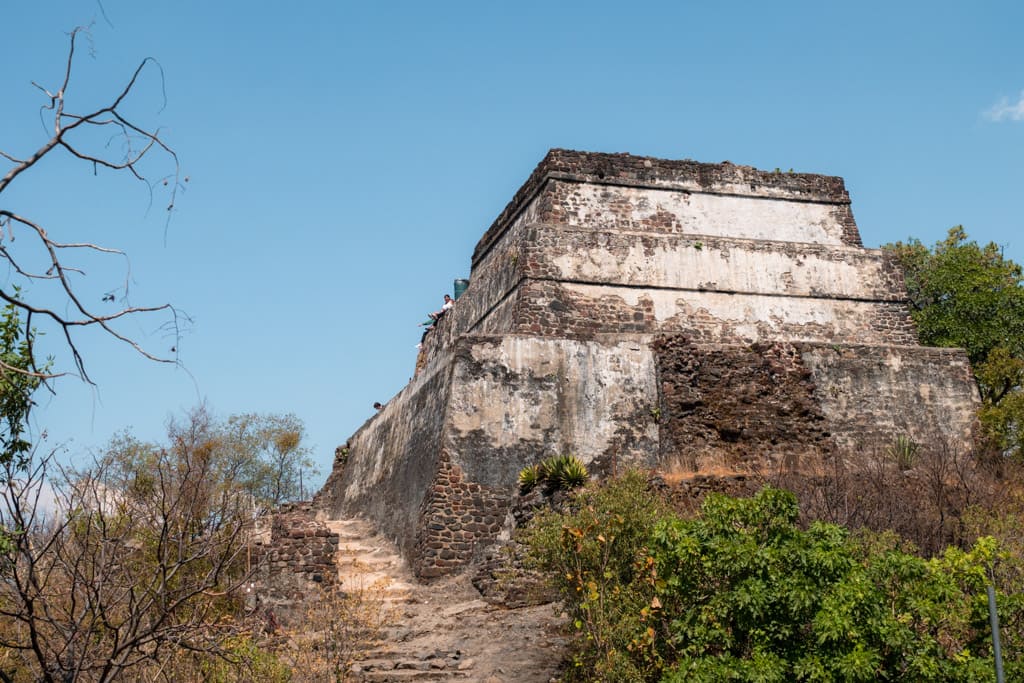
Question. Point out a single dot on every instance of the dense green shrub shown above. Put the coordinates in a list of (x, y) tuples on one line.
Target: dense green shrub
[(591, 553), (743, 593)]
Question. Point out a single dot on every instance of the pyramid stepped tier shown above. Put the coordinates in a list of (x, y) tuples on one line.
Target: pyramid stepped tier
[(670, 315)]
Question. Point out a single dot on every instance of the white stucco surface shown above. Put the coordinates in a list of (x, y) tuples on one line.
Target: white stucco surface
[(601, 206)]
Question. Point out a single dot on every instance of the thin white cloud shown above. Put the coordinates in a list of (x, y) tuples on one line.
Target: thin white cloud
[(1005, 110)]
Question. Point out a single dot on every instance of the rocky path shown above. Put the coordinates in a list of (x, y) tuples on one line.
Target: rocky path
[(442, 631)]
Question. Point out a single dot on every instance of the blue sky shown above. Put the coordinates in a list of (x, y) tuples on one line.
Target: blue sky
[(344, 158)]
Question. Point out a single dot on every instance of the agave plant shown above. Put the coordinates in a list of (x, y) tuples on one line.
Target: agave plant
[(574, 473), (529, 477), (557, 473), (562, 473)]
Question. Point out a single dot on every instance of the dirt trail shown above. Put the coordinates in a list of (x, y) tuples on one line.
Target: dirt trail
[(443, 631)]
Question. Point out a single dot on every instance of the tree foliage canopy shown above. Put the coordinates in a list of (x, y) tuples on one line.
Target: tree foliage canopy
[(100, 580), (17, 383), (258, 456)]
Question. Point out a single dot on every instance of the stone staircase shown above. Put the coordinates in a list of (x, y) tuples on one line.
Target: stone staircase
[(441, 631), (366, 560)]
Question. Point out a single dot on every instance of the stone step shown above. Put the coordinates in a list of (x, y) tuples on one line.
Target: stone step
[(351, 528), (397, 675), (388, 660), (393, 651), (441, 632), (361, 546), (373, 581), (404, 670), (368, 561)]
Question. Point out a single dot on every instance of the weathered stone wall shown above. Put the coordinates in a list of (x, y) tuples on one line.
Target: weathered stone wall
[(549, 307), (779, 341), (869, 395), (392, 460), (715, 264), (518, 399), (733, 253), (606, 206), (515, 400), (624, 170), (759, 407), (457, 515), (682, 232), (295, 556), (737, 408)]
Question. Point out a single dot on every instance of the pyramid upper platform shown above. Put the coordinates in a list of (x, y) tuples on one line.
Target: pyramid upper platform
[(674, 177)]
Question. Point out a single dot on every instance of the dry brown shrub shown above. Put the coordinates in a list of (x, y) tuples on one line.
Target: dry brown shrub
[(926, 494)]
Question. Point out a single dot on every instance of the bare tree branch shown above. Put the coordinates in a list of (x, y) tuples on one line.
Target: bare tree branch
[(138, 142)]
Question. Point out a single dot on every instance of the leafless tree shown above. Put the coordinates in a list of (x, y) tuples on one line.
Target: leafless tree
[(101, 582), (104, 138)]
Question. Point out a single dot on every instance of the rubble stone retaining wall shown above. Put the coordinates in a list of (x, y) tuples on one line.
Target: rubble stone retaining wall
[(295, 556)]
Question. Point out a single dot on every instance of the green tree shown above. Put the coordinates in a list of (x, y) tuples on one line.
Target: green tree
[(114, 571), (278, 464), (595, 555), (967, 295)]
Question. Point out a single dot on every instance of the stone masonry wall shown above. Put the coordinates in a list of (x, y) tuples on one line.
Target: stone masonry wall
[(681, 232), (608, 206), (699, 228), (295, 557), (457, 515), (702, 319), (869, 395), (688, 176), (700, 264), (516, 400), (754, 408), (736, 408)]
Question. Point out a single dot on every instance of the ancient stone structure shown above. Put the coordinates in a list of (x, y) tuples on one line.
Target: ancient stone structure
[(670, 315)]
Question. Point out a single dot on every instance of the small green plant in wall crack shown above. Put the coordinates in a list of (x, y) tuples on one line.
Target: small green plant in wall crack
[(903, 451)]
